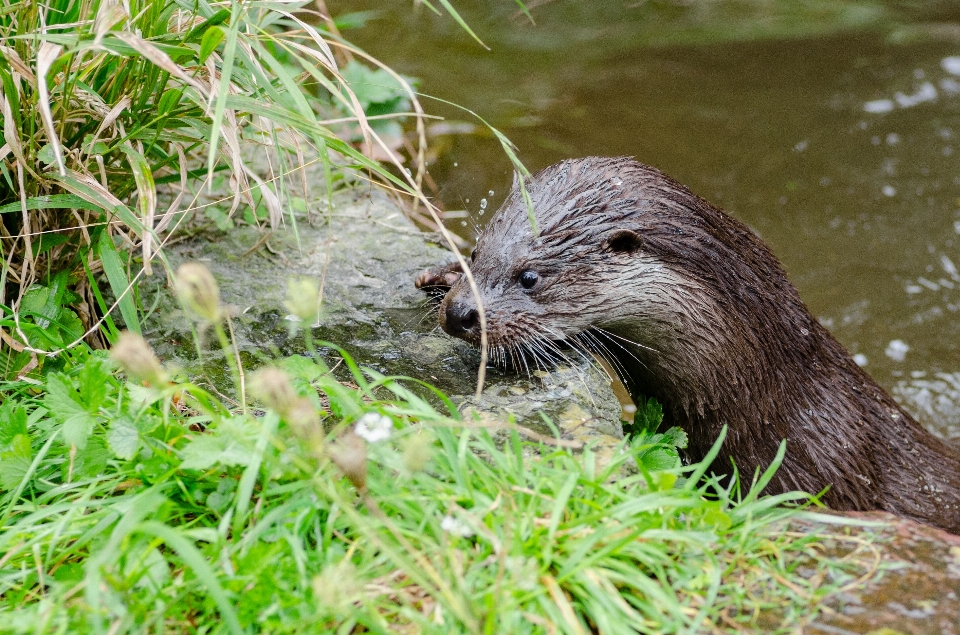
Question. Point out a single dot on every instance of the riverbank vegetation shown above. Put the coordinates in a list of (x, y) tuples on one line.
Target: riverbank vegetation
[(137, 501), (118, 116), (133, 498)]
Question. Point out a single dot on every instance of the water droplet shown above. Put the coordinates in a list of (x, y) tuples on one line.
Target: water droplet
[(889, 190), (467, 200), (463, 223), (490, 193), (483, 203), (455, 164)]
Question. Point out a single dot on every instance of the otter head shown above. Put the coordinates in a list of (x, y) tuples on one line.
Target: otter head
[(631, 264), (554, 282)]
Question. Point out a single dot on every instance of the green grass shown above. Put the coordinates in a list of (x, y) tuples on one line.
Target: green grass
[(158, 508)]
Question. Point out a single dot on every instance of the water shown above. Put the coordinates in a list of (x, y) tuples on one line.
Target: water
[(831, 128)]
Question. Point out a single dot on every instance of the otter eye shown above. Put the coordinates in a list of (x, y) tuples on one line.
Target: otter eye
[(528, 279)]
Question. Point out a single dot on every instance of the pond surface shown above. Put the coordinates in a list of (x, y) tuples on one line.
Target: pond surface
[(831, 128)]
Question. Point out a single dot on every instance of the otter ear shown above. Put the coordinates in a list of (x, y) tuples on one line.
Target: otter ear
[(622, 241)]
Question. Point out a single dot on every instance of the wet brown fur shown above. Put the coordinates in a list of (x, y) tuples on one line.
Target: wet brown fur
[(719, 334)]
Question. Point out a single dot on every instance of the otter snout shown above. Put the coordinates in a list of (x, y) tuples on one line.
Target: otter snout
[(459, 318)]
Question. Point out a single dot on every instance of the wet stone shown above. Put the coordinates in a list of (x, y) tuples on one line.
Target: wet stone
[(366, 254)]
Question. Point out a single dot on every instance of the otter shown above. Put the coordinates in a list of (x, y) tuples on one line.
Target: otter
[(695, 310)]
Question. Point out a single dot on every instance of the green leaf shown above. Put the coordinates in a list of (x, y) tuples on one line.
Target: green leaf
[(217, 18), (49, 241), (675, 436), (70, 325), (230, 445), (13, 421), (140, 396), (208, 44), (648, 417), (35, 298), (226, 76), (119, 284), (15, 463), (124, 439), (167, 103), (94, 383), (356, 19), (305, 368), (62, 401), (46, 302), (714, 515), (45, 155), (91, 460), (97, 148), (52, 201), (375, 87), (659, 458)]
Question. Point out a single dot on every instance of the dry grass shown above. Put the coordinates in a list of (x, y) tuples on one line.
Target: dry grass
[(113, 113)]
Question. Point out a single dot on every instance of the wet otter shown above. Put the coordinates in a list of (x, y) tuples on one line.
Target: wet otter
[(697, 312)]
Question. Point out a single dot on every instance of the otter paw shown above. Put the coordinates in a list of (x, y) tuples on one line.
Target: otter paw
[(439, 278)]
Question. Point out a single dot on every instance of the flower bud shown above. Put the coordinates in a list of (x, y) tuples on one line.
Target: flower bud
[(138, 360), (305, 421), (417, 449), (350, 455), (198, 291), (303, 298), (273, 387), (338, 587)]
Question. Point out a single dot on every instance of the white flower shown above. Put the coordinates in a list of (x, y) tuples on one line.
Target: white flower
[(373, 427), (455, 526)]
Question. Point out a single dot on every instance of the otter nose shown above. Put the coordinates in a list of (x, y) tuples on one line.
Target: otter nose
[(460, 319)]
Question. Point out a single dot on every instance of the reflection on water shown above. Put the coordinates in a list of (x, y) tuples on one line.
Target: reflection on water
[(830, 127)]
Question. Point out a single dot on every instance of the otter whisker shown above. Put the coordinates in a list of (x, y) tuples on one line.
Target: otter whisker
[(523, 360), (613, 337), (581, 375), (595, 344), (628, 341)]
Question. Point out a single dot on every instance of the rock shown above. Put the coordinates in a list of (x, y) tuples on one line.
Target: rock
[(912, 584), (366, 254)]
